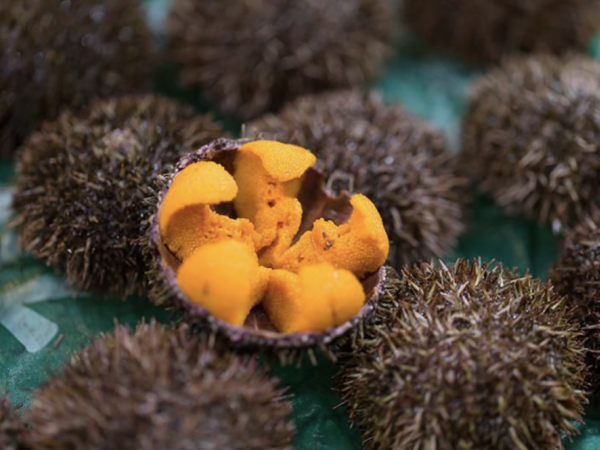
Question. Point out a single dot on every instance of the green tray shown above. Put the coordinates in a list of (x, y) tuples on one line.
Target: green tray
[(40, 310)]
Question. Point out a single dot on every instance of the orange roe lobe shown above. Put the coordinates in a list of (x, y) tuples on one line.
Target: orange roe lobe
[(283, 162), (269, 176), (360, 246), (195, 226), (204, 182), (186, 220), (319, 297), (225, 278)]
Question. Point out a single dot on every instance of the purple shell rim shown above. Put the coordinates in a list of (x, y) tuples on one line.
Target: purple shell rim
[(243, 336)]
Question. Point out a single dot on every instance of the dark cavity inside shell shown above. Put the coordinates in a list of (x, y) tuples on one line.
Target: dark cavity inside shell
[(317, 202)]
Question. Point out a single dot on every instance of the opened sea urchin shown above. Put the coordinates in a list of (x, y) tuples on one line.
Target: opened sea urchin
[(490, 29), (576, 275), (61, 53), (250, 57), (473, 357), (250, 242), (385, 153), (531, 136), (83, 180), (12, 429), (157, 389)]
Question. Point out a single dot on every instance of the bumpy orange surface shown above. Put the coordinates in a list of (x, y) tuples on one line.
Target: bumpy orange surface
[(186, 220), (268, 176), (360, 245), (231, 265), (319, 297), (225, 278)]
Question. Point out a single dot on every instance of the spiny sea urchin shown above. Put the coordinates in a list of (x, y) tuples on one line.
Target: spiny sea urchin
[(250, 243), (12, 429), (59, 53), (280, 48), (160, 388), (531, 133), (576, 275), (488, 30), (83, 181), (472, 357), (393, 158)]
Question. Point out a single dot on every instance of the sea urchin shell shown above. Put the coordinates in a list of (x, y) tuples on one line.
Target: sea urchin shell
[(160, 388), (490, 29), (576, 275), (57, 54), (531, 136), (251, 57), (473, 357), (396, 160), (257, 328), (83, 181)]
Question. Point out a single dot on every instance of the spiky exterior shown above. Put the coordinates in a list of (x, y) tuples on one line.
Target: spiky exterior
[(473, 357), (160, 388), (83, 180), (12, 429), (280, 49), (576, 275), (488, 30), (531, 133), (380, 150), (57, 54)]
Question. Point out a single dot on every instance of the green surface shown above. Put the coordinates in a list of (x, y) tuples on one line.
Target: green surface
[(431, 86)]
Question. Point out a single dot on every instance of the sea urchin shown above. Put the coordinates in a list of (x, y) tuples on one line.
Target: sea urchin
[(251, 57), (61, 53), (83, 180), (160, 388), (576, 275), (473, 357), (380, 150), (531, 134), (490, 29)]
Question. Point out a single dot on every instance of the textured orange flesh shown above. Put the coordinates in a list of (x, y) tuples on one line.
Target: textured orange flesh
[(186, 220), (268, 175), (319, 297), (360, 246), (225, 278), (231, 265)]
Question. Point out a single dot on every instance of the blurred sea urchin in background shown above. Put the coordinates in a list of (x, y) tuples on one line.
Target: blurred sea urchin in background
[(61, 53), (487, 30), (250, 57)]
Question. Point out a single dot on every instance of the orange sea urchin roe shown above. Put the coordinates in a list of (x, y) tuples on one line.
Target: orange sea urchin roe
[(186, 220), (319, 297), (225, 278), (268, 175), (360, 245), (231, 265)]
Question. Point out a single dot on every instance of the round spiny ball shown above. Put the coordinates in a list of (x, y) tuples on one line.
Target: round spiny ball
[(531, 136), (380, 150), (251, 57), (83, 181), (58, 53), (490, 29), (473, 357), (12, 429), (157, 389), (577, 276)]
